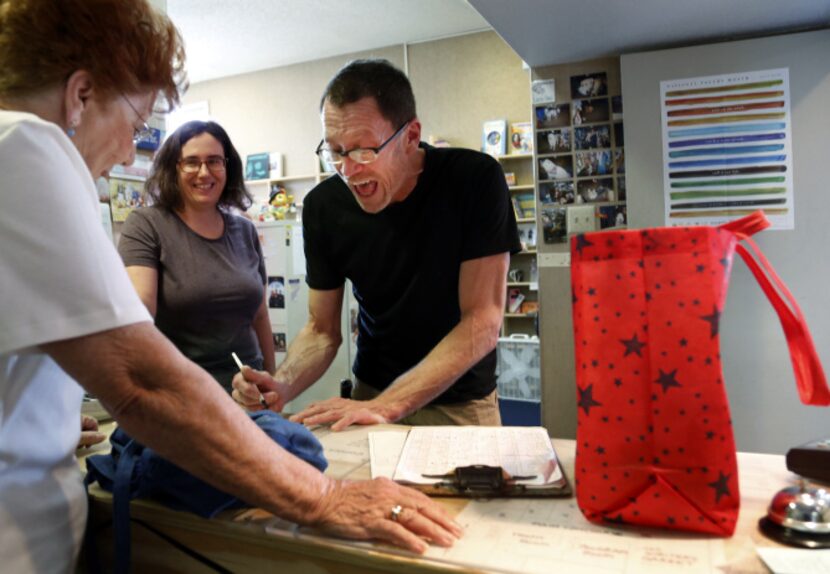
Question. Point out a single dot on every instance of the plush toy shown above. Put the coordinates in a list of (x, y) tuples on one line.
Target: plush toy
[(280, 204)]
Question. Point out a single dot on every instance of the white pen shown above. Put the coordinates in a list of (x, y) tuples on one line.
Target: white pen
[(239, 364)]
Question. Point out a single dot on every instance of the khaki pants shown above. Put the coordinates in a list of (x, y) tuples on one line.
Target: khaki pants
[(479, 412)]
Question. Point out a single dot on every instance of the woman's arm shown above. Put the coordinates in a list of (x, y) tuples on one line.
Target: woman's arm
[(146, 283)]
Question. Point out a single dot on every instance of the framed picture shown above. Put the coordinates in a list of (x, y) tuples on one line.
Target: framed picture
[(590, 111), (589, 85), (556, 167), (616, 107), (612, 216), (553, 116), (555, 224), (593, 163), (543, 91), (553, 141), (276, 292), (595, 190), (557, 192), (592, 137), (619, 139)]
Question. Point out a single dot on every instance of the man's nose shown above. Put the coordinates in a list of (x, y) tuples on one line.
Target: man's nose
[(349, 167)]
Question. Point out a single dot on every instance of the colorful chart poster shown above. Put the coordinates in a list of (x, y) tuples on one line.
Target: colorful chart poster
[(727, 148)]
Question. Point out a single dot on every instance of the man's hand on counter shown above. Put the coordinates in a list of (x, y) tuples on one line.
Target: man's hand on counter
[(341, 413)]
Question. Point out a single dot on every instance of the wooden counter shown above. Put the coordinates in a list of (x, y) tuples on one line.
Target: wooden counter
[(255, 541)]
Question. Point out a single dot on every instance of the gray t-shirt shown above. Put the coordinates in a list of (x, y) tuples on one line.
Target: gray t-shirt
[(209, 290)]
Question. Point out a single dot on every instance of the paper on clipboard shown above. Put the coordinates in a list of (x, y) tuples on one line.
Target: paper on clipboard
[(520, 451)]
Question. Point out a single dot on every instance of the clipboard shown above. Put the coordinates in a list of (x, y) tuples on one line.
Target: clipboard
[(476, 462)]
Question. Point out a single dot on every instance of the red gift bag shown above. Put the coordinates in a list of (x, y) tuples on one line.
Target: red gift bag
[(654, 435)]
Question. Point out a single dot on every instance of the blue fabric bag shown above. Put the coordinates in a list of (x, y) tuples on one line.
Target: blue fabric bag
[(132, 470)]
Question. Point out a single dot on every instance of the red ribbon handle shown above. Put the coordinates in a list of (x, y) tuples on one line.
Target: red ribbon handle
[(809, 374)]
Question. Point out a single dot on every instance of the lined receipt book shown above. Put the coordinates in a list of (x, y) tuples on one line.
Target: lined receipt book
[(520, 451)]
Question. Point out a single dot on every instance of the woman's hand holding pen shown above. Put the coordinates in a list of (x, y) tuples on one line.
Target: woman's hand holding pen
[(251, 387)]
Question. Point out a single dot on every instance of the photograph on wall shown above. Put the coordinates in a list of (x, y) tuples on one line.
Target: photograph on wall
[(543, 91), (619, 161), (619, 135), (125, 195), (276, 292), (616, 108), (612, 216), (621, 195), (553, 116), (591, 137), (595, 190), (556, 167), (553, 141), (727, 148), (554, 224), (590, 111), (279, 342), (557, 192), (494, 137), (590, 163), (521, 138), (589, 85)]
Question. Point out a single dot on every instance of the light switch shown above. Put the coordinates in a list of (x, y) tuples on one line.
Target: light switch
[(581, 218)]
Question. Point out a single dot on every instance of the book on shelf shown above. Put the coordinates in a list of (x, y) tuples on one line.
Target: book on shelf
[(521, 138), (274, 165), (515, 297), (529, 307), (139, 169), (525, 205), (510, 178), (257, 165), (494, 137), (150, 141), (527, 235)]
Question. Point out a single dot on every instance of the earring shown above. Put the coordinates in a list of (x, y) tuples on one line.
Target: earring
[(70, 131)]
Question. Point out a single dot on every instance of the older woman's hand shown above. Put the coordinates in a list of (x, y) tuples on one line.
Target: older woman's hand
[(384, 510), (89, 432)]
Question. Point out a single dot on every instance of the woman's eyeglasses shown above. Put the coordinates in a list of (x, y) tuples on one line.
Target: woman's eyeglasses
[(214, 163)]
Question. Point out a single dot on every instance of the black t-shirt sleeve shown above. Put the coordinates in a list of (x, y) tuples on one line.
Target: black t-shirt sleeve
[(488, 214), (139, 242), (321, 272)]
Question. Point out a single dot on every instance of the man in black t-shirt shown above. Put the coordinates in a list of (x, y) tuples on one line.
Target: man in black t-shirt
[(424, 235)]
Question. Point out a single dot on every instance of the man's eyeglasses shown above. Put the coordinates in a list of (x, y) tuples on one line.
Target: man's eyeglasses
[(214, 163), (139, 133), (361, 155)]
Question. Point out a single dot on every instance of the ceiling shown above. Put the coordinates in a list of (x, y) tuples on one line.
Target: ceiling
[(227, 38), (546, 32)]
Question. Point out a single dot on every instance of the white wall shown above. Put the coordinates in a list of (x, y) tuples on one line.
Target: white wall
[(767, 415)]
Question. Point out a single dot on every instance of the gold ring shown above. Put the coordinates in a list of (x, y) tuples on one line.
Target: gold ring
[(396, 512)]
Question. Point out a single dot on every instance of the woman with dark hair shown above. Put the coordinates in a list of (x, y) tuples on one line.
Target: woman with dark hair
[(197, 267)]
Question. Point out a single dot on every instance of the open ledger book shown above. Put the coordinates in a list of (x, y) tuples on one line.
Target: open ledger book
[(438, 451)]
